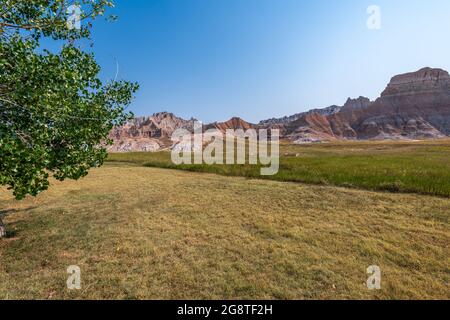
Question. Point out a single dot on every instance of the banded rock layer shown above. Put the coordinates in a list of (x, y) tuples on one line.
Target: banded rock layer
[(414, 105)]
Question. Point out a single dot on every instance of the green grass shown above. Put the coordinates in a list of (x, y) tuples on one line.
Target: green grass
[(410, 167), (148, 233)]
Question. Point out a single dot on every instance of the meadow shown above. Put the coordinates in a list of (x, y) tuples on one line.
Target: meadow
[(410, 167), (140, 232)]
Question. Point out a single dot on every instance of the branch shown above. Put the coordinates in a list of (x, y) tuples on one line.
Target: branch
[(45, 26)]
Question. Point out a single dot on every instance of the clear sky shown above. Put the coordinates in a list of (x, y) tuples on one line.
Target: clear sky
[(257, 59)]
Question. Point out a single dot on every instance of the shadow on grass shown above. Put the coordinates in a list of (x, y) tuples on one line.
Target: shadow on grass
[(5, 213)]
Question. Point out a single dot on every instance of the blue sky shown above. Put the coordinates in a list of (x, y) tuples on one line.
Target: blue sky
[(257, 59)]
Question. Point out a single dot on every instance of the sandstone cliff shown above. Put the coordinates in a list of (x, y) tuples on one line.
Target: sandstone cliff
[(414, 105), (148, 133)]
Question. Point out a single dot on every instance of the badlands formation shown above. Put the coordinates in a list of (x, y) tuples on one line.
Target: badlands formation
[(413, 106)]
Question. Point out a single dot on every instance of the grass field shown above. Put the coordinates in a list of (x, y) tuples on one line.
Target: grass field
[(411, 167), (139, 232)]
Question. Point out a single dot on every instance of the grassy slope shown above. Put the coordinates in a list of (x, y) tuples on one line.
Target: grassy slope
[(150, 233), (417, 167)]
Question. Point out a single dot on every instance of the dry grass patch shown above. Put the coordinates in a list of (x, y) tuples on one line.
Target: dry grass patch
[(162, 234)]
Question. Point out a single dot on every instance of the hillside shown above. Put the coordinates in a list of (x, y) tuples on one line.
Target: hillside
[(414, 106)]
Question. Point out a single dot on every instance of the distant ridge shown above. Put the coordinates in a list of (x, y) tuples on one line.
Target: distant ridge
[(234, 123), (414, 105)]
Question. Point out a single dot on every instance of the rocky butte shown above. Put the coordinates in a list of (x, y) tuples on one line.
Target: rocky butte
[(413, 106)]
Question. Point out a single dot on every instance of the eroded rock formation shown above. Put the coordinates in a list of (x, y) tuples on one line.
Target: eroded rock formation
[(414, 105)]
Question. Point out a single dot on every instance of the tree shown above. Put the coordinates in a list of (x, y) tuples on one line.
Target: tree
[(55, 112)]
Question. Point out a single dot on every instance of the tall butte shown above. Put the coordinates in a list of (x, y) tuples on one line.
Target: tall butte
[(413, 106)]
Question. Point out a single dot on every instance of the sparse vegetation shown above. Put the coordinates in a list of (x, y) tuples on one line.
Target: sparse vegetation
[(410, 167), (141, 232)]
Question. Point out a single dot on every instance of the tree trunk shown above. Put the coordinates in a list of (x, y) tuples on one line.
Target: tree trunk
[(2, 229)]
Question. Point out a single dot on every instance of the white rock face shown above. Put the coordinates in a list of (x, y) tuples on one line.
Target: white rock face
[(137, 145), (148, 134)]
